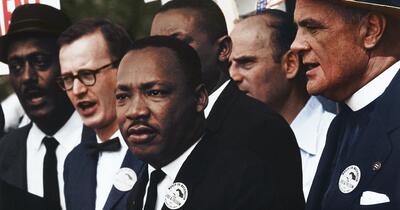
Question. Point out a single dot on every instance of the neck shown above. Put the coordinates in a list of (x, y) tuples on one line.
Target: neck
[(295, 102), (106, 132), (52, 123)]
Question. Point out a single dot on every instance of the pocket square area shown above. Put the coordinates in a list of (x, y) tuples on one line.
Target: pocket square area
[(373, 198)]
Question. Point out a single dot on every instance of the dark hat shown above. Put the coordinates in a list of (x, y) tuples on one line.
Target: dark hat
[(33, 18), (390, 7)]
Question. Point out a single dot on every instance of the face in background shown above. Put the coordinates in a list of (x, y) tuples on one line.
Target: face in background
[(253, 67), (33, 64), (184, 24), (157, 110), (95, 104), (331, 49)]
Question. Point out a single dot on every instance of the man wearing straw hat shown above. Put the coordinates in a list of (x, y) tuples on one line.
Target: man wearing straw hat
[(351, 51)]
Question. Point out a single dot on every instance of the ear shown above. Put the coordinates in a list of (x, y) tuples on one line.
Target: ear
[(290, 64), (224, 48), (202, 97), (372, 28)]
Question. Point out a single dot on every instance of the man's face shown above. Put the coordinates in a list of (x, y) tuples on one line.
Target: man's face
[(95, 104), (252, 65), (331, 49), (33, 64), (184, 24), (156, 108)]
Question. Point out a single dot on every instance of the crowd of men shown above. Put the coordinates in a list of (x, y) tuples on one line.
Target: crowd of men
[(192, 117)]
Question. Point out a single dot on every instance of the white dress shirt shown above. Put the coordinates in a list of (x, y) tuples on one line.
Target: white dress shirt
[(170, 170), (373, 89), (68, 137), (310, 128), (214, 97), (108, 165)]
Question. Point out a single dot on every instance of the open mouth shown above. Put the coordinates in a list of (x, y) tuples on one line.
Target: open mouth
[(86, 108), (141, 134), (311, 66), (34, 96)]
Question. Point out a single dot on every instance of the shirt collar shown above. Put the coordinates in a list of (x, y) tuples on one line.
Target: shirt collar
[(304, 126), (213, 98), (171, 170), (73, 123), (373, 89)]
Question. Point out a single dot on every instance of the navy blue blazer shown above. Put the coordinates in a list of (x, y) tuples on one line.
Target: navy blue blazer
[(80, 170), (377, 155)]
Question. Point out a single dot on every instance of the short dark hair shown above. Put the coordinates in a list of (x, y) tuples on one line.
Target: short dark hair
[(185, 54), (116, 37), (284, 31), (212, 20)]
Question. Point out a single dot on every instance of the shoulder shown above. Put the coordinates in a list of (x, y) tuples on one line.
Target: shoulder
[(14, 139)]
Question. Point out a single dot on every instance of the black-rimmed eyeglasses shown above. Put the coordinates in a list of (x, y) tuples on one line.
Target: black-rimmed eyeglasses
[(85, 76)]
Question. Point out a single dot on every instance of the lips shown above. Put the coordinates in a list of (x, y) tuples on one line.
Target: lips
[(141, 134), (86, 108), (34, 96)]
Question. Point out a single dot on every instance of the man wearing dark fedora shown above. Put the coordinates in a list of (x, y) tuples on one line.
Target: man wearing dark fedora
[(351, 52), (32, 157)]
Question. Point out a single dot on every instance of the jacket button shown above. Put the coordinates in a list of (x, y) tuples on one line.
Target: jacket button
[(376, 166)]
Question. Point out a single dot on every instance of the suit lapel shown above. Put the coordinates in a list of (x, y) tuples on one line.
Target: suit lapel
[(16, 160), (136, 195), (132, 162), (193, 169)]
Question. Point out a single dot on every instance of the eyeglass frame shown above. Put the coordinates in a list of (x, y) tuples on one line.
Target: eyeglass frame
[(94, 72)]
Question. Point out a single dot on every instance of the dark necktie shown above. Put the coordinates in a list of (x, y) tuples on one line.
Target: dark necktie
[(155, 178), (50, 180), (109, 146)]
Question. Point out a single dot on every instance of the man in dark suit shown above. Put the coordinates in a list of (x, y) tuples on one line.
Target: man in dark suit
[(232, 115), (160, 103), (350, 49), (32, 157), (99, 172)]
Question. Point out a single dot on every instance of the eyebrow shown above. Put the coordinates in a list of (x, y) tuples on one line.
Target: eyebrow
[(146, 85), (244, 59), (309, 22)]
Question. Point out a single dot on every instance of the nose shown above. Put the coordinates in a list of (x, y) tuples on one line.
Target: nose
[(28, 73), (78, 88), (235, 74), (138, 109), (299, 44)]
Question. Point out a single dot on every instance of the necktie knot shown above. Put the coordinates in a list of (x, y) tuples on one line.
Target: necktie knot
[(50, 143), (108, 146), (156, 176)]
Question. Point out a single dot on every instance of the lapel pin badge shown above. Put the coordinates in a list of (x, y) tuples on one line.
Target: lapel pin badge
[(125, 179), (349, 179), (376, 166), (176, 196)]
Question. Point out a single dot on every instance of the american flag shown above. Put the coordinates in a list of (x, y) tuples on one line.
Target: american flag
[(268, 4)]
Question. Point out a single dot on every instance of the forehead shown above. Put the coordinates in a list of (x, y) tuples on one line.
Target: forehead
[(321, 10), (176, 20), (89, 51), (148, 65), (24, 46), (251, 35)]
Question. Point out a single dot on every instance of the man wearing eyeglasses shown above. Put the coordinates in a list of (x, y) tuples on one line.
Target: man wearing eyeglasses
[(99, 172), (32, 157)]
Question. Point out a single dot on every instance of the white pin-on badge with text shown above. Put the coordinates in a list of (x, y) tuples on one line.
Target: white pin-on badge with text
[(349, 179), (125, 179), (176, 196)]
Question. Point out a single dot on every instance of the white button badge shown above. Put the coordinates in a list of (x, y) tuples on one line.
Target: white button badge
[(349, 179), (176, 196), (125, 179)]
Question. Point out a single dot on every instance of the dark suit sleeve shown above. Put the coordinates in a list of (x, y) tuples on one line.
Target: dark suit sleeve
[(66, 180)]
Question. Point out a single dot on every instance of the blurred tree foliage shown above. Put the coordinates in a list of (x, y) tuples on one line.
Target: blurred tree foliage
[(134, 15)]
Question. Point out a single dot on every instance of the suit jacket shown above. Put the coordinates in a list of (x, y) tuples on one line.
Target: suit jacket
[(248, 159), (13, 156), (245, 122), (14, 198), (80, 171), (377, 155)]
